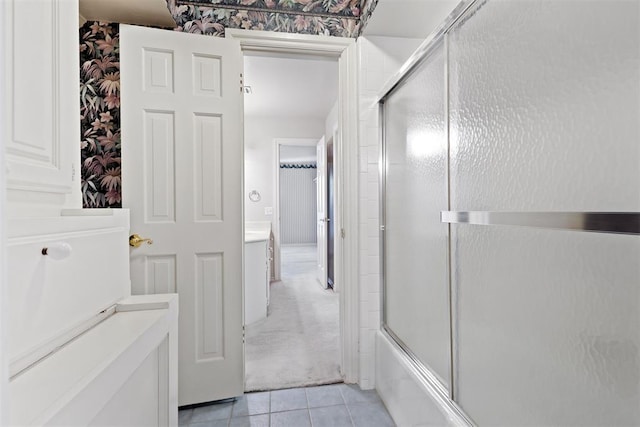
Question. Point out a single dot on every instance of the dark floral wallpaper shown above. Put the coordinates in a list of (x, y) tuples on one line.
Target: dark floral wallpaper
[(100, 115), (337, 17), (318, 7), (368, 7)]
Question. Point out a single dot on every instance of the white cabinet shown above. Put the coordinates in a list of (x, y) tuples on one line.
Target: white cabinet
[(256, 280), (41, 126), (79, 345)]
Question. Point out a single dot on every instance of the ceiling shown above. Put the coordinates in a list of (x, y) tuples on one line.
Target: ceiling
[(290, 87), (141, 12), (408, 18)]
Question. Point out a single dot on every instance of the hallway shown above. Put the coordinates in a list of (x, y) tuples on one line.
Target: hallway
[(298, 343)]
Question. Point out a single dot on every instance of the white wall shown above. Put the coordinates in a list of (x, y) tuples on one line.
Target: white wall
[(259, 166), (297, 154), (379, 59), (411, 19), (331, 122)]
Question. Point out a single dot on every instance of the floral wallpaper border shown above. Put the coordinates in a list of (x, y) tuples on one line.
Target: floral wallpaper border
[(367, 10), (214, 20), (317, 7)]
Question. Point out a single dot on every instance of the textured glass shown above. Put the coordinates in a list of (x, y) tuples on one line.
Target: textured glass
[(544, 102), (416, 301)]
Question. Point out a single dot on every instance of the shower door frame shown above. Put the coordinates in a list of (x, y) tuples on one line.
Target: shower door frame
[(437, 38)]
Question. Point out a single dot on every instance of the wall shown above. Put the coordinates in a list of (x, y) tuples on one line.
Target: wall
[(259, 172), (100, 115), (331, 122), (379, 59)]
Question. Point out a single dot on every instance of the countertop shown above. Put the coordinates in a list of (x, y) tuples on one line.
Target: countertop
[(257, 231), (256, 236)]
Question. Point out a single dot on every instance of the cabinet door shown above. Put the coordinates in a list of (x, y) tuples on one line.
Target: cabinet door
[(41, 94)]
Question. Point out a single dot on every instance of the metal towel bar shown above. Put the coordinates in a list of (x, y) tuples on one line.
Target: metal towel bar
[(599, 222)]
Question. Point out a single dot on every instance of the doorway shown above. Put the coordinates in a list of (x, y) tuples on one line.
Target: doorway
[(346, 170), (290, 102)]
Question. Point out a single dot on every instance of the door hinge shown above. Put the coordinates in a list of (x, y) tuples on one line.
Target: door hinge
[(73, 172), (243, 334), (342, 233), (241, 84)]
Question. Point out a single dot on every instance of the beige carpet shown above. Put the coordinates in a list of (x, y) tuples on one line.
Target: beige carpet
[(298, 343)]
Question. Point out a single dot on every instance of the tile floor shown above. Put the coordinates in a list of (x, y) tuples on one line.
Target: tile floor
[(323, 406)]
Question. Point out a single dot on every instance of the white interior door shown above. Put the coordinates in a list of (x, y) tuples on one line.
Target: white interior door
[(182, 180), (321, 206)]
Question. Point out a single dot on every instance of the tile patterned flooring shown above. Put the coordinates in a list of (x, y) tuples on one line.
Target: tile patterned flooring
[(334, 405)]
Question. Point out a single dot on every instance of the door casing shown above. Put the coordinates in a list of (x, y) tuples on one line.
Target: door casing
[(346, 169)]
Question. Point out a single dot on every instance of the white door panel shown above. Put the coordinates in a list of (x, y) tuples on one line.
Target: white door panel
[(182, 180)]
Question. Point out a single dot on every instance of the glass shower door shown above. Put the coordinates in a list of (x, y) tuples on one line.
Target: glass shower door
[(415, 280), (544, 102)]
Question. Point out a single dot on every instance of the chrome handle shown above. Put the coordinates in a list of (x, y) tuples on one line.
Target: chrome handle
[(135, 241), (599, 222)]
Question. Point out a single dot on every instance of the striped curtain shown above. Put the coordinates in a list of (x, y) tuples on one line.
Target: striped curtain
[(297, 204)]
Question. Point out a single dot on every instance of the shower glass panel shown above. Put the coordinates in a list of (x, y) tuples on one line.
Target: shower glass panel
[(416, 296), (544, 103)]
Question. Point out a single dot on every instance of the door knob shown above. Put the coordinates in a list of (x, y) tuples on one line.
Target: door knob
[(135, 241)]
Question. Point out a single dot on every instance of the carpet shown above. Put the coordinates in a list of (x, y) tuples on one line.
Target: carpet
[(298, 343)]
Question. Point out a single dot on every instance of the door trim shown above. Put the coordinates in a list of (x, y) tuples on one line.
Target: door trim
[(346, 169)]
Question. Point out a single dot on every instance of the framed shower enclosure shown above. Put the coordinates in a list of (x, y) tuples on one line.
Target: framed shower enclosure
[(414, 243), (510, 213)]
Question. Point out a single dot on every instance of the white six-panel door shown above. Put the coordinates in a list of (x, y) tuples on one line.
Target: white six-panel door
[(182, 175)]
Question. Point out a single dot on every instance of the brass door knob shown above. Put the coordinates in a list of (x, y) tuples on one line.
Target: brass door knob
[(135, 241)]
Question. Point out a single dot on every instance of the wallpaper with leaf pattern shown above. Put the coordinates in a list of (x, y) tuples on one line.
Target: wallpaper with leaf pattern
[(100, 115), (211, 17), (368, 7), (318, 7)]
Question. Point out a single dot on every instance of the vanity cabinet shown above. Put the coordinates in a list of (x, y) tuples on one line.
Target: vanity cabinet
[(256, 280)]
